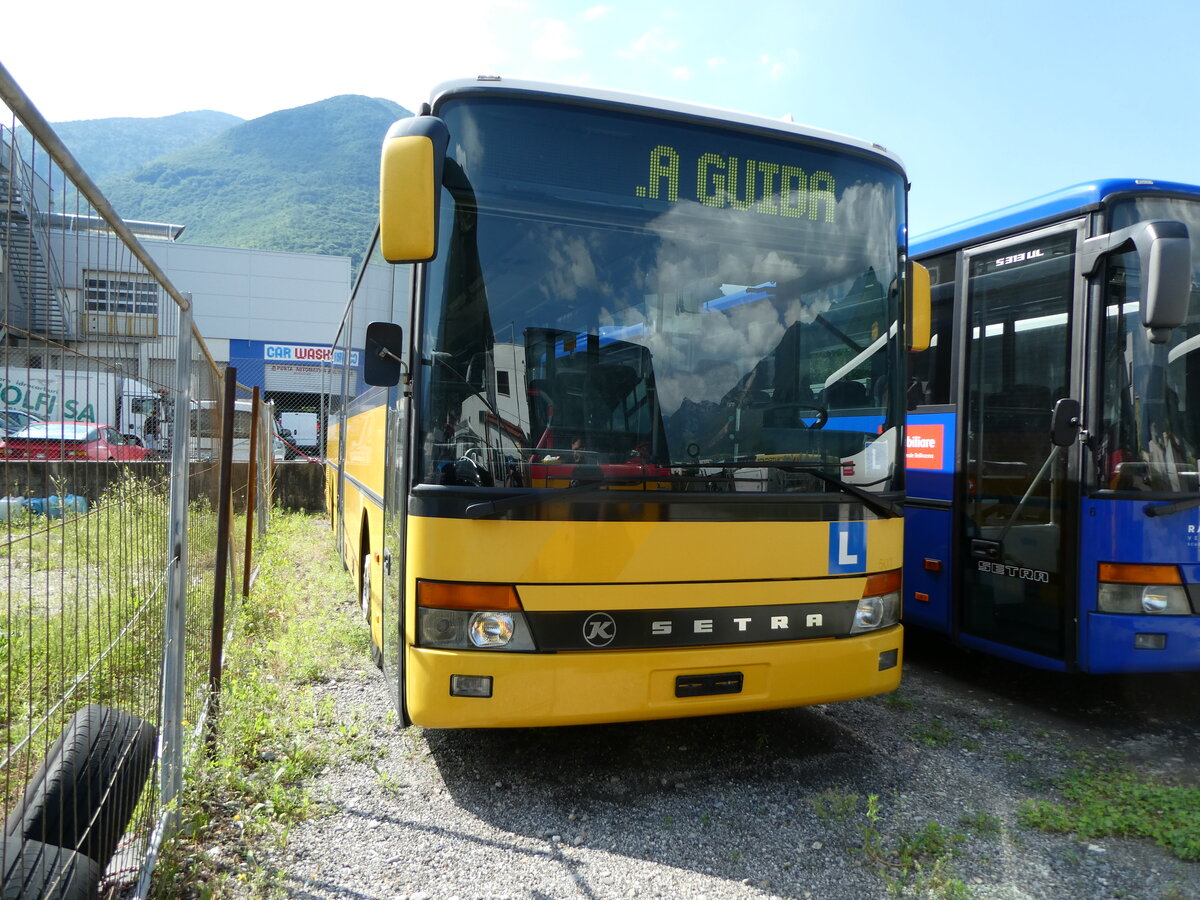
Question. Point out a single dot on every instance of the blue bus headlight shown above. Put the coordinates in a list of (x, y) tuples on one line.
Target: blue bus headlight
[(1144, 599), (1140, 589)]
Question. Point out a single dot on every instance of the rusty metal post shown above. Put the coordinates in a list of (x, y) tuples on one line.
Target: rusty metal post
[(224, 538), (251, 487)]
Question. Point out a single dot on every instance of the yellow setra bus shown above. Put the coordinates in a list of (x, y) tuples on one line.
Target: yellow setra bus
[(616, 411)]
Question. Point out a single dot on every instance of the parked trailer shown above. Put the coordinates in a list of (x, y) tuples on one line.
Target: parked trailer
[(82, 396)]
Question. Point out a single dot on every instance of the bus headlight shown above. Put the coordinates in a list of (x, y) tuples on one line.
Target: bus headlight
[(1144, 599), (1142, 590), (465, 616), (490, 629), (460, 629), (880, 603)]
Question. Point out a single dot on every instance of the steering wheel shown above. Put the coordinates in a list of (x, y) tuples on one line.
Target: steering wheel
[(822, 413)]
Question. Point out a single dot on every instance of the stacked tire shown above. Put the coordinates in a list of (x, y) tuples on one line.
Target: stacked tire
[(59, 839)]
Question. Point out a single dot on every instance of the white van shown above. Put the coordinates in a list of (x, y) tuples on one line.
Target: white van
[(206, 431), (304, 434)]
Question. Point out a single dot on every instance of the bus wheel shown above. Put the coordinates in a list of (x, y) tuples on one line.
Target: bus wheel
[(376, 655), (365, 595)]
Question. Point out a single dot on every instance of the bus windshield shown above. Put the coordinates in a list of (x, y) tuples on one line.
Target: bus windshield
[(626, 296), (1151, 392)]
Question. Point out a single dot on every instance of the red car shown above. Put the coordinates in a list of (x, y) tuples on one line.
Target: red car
[(70, 441)]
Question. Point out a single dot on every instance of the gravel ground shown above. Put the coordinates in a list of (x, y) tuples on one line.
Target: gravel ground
[(749, 806)]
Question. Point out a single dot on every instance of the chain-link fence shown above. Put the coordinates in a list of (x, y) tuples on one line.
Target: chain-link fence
[(123, 446), (292, 387)]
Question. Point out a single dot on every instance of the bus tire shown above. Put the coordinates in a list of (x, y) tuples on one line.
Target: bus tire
[(364, 594), (365, 602), (32, 869), (83, 795)]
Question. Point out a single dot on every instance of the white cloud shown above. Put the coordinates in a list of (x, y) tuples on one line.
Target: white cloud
[(553, 41), (715, 62), (775, 69), (681, 73), (653, 41), (595, 12)]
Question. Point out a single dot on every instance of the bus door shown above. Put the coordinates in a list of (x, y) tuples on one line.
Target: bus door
[(1021, 335), (395, 509)]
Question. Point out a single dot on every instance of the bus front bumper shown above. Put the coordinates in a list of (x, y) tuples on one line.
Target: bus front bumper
[(531, 689)]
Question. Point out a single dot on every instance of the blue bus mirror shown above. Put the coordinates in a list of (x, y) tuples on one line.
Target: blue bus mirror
[(1065, 422), (1164, 252), (381, 354)]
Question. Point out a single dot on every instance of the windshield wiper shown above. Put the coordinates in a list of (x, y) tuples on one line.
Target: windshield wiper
[(1168, 509), (489, 508), (879, 504)]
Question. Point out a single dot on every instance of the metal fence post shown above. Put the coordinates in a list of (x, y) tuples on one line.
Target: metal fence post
[(251, 485), (171, 728)]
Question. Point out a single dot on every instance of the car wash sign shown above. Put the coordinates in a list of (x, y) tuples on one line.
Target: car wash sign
[(307, 353), (295, 368)]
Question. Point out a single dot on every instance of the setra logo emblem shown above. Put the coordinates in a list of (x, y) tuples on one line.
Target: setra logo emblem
[(599, 629)]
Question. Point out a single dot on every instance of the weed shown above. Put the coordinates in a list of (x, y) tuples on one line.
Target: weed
[(899, 702), (917, 864)]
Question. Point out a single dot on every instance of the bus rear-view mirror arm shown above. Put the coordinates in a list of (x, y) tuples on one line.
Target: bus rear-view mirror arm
[(1164, 252)]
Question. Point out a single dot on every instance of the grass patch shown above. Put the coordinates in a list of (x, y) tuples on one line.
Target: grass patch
[(1102, 798), (899, 702), (933, 734), (299, 627), (833, 806)]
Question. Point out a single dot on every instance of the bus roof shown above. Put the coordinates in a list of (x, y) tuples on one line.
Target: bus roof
[(1078, 198), (496, 84)]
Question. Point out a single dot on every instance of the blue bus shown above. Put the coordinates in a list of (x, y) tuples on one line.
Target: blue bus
[(1054, 429)]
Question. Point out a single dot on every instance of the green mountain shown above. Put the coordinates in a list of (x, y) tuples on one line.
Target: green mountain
[(303, 180), (108, 147)]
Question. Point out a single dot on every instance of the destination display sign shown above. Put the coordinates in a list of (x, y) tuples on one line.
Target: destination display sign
[(769, 187)]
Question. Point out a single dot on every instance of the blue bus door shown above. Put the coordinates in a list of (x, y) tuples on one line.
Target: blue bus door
[(1017, 501)]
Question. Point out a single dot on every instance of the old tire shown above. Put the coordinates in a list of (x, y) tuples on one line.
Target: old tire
[(32, 870), (82, 797)]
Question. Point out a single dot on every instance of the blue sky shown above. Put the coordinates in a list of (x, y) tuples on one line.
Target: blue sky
[(987, 103)]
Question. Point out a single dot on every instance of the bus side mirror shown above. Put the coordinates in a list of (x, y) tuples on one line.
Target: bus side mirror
[(381, 355), (1164, 252), (918, 307), (1065, 422), (410, 173)]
